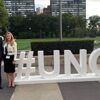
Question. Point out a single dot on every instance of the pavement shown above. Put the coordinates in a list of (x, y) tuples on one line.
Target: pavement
[(5, 93), (62, 91), (52, 91), (37, 92)]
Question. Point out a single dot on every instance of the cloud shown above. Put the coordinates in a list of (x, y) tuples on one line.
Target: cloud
[(94, 0), (93, 7), (42, 3)]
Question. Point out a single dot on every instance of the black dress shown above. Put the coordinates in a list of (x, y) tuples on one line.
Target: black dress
[(9, 67)]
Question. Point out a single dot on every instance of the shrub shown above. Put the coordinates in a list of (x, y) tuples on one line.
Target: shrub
[(73, 45)]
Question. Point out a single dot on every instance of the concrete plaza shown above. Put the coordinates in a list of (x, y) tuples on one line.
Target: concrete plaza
[(51, 91)]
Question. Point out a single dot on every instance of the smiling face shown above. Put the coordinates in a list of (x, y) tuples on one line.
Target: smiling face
[(8, 37)]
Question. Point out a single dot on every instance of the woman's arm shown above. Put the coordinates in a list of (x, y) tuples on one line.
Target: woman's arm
[(15, 50)]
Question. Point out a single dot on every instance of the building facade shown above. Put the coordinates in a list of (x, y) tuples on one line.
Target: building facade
[(75, 7), (39, 11), (47, 10), (19, 7)]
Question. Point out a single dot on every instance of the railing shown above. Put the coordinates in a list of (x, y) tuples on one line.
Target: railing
[(25, 70)]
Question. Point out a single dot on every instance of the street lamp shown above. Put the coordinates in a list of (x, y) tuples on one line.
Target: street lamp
[(60, 15)]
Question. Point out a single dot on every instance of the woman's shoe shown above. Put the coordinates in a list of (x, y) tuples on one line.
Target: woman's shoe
[(13, 86)]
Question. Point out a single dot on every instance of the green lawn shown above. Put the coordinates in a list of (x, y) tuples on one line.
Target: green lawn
[(24, 44), (97, 42)]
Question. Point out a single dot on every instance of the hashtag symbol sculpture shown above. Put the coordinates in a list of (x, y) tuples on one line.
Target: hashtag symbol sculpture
[(27, 60)]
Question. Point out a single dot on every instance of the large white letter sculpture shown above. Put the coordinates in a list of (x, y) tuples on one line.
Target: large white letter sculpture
[(70, 59), (54, 76), (56, 70), (93, 61)]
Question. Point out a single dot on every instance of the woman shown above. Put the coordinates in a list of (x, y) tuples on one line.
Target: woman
[(10, 52)]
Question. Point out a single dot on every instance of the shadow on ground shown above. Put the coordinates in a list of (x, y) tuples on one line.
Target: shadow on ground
[(5, 93)]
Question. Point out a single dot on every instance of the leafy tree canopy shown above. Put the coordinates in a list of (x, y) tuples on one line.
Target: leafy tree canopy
[(3, 16)]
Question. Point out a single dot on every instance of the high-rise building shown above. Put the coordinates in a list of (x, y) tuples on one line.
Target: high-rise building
[(19, 7), (75, 7), (47, 10), (39, 11)]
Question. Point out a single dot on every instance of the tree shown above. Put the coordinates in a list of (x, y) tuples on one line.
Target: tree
[(42, 26), (94, 22), (73, 25), (3, 16)]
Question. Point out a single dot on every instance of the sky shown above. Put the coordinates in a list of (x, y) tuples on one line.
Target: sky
[(42, 3), (92, 6)]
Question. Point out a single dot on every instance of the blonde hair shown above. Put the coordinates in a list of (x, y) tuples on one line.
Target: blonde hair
[(12, 38)]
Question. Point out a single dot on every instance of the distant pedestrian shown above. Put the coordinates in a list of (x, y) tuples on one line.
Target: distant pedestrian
[(1, 56), (10, 52)]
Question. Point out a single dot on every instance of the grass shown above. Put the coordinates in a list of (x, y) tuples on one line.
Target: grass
[(25, 44), (97, 42)]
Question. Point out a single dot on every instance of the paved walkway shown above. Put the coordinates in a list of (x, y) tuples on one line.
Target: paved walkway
[(37, 92), (80, 91), (5, 93), (61, 91)]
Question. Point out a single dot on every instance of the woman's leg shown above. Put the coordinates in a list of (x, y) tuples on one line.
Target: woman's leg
[(13, 78), (9, 79)]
